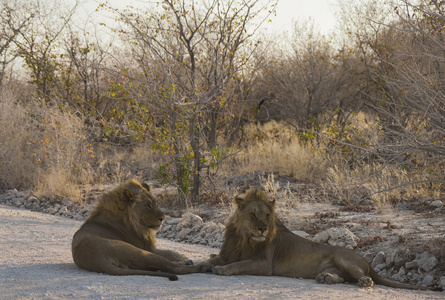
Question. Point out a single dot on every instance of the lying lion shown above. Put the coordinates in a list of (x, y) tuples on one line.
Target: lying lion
[(257, 243), (119, 237)]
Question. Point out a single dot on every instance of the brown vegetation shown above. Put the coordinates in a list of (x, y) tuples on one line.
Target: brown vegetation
[(178, 95)]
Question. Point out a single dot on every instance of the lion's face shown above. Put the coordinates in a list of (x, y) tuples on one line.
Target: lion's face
[(145, 210), (255, 217)]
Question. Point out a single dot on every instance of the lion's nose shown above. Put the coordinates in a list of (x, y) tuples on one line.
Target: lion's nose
[(262, 229), (161, 218)]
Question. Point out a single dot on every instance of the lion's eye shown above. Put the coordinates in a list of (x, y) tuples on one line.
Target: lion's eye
[(148, 205), (268, 216), (252, 214)]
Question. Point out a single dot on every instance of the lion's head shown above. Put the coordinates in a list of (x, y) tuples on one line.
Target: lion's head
[(254, 217), (134, 205)]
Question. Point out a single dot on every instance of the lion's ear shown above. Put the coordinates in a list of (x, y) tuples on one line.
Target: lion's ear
[(127, 196), (146, 186), (238, 200)]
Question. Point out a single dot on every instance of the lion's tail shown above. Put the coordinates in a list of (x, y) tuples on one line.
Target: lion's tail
[(379, 280), (114, 270)]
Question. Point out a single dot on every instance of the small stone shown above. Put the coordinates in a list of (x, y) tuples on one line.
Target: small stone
[(427, 262), (411, 265), (442, 282), (32, 199), (184, 232), (436, 204), (378, 259), (368, 256), (191, 220), (380, 267), (428, 280)]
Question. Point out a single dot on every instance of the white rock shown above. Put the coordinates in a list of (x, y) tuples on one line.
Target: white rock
[(31, 199), (184, 232), (300, 233), (191, 220)]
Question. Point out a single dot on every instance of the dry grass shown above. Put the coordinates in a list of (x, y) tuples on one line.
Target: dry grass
[(275, 147), (16, 130)]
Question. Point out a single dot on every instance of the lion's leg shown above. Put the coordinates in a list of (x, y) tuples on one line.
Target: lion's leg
[(245, 267), (127, 256), (173, 256), (330, 276), (355, 267)]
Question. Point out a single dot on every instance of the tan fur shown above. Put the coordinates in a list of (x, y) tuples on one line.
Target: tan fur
[(279, 252), (119, 236)]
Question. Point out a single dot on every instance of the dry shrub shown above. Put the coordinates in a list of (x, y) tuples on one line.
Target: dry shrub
[(63, 152), (43, 148), (275, 147), (384, 184), (17, 169)]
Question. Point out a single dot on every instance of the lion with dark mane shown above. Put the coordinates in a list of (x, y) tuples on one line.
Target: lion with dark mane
[(257, 243), (119, 236)]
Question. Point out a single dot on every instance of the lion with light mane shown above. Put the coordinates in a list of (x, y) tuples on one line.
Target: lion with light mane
[(119, 236), (257, 243)]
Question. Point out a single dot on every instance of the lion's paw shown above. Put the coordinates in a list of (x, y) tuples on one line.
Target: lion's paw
[(328, 278), (365, 282), (219, 270), (185, 262), (205, 267)]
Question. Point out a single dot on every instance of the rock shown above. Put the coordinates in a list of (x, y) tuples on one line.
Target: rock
[(380, 267), (32, 199), (399, 276), (166, 228), (442, 282), (368, 256), (184, 232), (341, 237), (397, 257), (300, 233), (426, 262), (321, 237), (191, 220), (428, 280), (172, 221), (378, 259), (411, 265), (436, 204), (210, 227)]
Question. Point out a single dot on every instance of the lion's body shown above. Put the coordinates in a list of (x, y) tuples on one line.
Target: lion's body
[(119, 237), (257, 243)]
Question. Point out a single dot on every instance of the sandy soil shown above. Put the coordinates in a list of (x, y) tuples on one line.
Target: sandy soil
[(36, 263)]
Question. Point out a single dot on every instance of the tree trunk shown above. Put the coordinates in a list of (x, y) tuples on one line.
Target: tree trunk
[(194, 142)]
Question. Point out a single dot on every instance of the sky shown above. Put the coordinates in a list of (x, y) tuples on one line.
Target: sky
[(288, 11), (321, 11)]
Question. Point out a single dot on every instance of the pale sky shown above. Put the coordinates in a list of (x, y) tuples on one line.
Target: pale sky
[(287, 11), (321, 11)]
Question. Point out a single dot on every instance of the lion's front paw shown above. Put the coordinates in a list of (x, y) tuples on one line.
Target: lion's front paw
[(185, 262), (220, 270), (205, 267), (328, 278), (365, 282)]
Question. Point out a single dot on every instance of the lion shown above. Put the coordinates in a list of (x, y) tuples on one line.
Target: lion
[(119, 236), (257, 243)]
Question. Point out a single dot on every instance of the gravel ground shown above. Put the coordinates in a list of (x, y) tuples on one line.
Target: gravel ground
[(36, 263)]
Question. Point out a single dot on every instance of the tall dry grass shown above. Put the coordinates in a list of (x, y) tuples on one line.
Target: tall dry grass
[(275, 147), (17, 169)]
